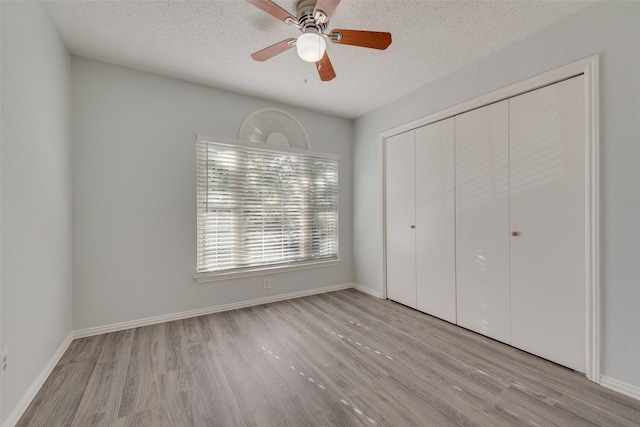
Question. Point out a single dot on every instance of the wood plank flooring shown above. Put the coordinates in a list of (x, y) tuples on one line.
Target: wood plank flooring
[(336, 359)]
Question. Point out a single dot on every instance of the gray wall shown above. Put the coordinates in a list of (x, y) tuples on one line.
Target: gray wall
[(36, 196), (611, 29), (134, 206)]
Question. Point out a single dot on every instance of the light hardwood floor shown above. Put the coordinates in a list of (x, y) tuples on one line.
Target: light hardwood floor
[(337, 359)]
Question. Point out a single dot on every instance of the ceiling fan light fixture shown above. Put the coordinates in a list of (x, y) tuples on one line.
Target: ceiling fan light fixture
[(311, 47)]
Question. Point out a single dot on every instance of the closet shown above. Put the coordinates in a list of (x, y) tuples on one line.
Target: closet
[(420, 219), (485, 220), (547, 215), (482, 220), (400, 187)]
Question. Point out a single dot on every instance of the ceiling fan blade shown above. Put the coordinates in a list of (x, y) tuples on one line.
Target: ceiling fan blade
[(273, 50), (273, 9), (326, 7), (325, 69), (370, 39)]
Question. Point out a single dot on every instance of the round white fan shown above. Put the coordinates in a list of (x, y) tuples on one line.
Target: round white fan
[(275, 127)]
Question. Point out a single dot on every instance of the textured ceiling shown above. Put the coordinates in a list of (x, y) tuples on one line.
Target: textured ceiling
[(210, 42)]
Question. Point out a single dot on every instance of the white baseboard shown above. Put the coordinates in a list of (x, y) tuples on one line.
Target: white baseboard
[(620, 387), (82, 333), (31, 392), (368, 291)]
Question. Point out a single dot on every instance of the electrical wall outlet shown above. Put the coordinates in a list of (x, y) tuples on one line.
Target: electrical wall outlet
[(4, 362), (266, 284)]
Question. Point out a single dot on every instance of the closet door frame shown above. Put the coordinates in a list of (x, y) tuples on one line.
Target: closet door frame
[(589, 68)]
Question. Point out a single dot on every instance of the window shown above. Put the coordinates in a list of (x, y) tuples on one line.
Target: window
[(262, 208)]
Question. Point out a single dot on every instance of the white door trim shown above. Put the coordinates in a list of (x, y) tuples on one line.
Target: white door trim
[(589, 67)]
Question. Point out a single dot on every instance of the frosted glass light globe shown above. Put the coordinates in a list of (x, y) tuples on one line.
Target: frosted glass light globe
[(311, 47)]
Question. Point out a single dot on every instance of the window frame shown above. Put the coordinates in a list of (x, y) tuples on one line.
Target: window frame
[(258, 270)]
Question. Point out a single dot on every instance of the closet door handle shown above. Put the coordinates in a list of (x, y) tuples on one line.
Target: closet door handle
[(515, 233), (413, 226)]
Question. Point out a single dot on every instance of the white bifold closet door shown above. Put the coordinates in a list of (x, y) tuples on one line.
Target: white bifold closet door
[(400, 218), (435, 220), (482, 220), (547, 210)]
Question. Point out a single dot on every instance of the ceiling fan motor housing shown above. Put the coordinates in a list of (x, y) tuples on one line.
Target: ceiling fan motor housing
[(307, 21)]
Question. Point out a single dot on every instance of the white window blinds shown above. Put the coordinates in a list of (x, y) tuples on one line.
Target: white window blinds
[(262, 208)]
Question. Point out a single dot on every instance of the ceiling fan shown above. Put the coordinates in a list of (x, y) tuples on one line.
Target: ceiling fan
[(312, 20)]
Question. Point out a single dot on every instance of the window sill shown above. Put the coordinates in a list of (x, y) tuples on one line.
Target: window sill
[(261, 271)]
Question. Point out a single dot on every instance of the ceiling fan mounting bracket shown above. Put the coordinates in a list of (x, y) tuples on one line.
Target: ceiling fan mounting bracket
[(291, 21), (321, 17)]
